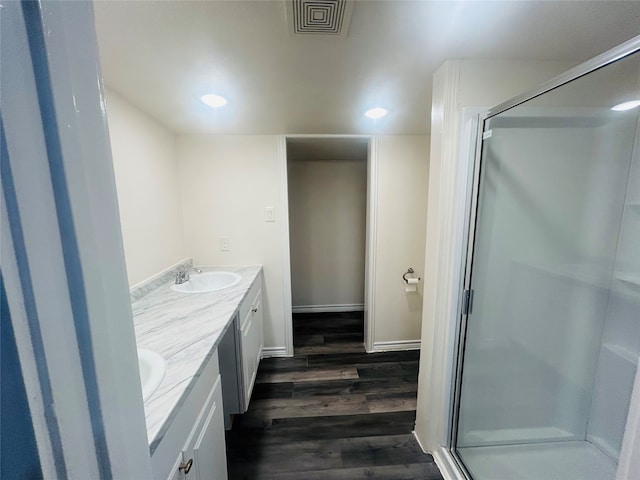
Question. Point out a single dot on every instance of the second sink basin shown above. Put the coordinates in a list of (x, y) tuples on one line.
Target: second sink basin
[(207, 282), (152, 369)]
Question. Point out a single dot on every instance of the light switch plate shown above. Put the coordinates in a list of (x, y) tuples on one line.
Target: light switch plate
[(269, 214), (225, 244)]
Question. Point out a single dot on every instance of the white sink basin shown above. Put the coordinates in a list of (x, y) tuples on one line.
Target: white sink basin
[(207, 282), (152, 369)]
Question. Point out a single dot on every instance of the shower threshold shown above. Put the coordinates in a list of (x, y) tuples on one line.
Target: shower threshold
[(574, 460)]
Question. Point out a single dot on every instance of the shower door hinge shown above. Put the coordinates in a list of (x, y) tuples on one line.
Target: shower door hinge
[(467, 302)]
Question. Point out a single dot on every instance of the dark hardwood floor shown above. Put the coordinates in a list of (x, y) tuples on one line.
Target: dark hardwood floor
[(331, 412)]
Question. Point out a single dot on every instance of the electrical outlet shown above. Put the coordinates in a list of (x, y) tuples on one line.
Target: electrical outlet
[(225, 244), (269, 214)]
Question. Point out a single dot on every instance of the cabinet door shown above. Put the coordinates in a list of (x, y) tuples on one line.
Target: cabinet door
[(248, 356), (176, 474), (209, 454), (251, 344), (209, 449), (259, 328)]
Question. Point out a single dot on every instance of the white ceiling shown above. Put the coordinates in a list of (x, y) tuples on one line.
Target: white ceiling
[(163, 55)]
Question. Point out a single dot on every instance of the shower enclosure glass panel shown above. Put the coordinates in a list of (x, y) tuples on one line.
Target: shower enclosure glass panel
[(551, 345)]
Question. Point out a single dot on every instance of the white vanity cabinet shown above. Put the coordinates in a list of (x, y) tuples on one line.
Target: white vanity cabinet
[(193, 447)]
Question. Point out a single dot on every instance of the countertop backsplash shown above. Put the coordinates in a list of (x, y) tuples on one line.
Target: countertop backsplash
[(141, 289)]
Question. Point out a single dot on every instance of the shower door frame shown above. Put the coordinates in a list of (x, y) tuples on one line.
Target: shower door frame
[(623, 50)]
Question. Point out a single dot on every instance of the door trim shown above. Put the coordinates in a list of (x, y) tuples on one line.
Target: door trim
[(286, 255), (371, 246), (64, 249)]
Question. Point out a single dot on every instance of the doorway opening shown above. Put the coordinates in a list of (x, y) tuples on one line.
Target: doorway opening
[(327, 184)]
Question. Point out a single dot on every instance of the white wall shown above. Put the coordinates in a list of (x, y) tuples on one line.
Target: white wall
[(327, 230), (146, 171), (226, 181), (402, 180), (457, 84)]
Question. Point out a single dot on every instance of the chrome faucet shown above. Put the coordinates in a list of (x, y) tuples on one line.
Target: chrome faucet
[(182, 276)]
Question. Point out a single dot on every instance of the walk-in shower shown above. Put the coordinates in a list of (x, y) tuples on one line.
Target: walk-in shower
[(548, 351)]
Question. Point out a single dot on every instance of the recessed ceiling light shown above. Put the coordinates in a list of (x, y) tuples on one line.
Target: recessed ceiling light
[(214, 101), (621, 107), (376, 113)]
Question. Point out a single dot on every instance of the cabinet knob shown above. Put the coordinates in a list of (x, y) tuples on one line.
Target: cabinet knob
[(186, 467), (254, 310)]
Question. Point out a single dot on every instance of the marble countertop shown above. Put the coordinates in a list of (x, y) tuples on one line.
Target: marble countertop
[(184, 328)]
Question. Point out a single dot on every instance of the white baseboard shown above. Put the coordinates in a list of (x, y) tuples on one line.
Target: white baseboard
[(446, 464), (415, 435), (274, 352), (397, 345), (345, 307)]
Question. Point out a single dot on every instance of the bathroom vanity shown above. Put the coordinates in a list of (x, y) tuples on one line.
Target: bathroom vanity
[(212, 343)]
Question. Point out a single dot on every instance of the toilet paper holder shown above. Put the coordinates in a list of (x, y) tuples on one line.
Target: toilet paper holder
[(409, 271)]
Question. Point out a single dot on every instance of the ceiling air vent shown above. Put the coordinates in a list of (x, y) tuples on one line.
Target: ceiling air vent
[(320, 17)]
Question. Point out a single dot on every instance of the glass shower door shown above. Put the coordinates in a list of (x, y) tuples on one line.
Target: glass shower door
[(551, 344)]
